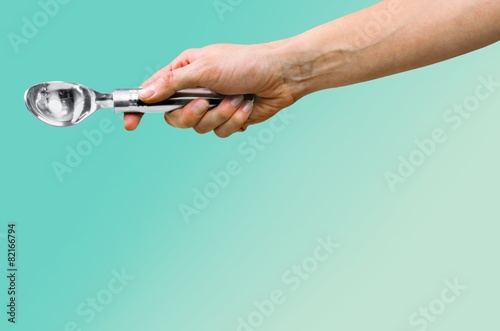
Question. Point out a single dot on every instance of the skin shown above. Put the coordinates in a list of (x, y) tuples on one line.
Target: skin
[(387, 38)]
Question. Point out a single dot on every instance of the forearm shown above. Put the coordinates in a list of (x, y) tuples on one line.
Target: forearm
[(389, 37)]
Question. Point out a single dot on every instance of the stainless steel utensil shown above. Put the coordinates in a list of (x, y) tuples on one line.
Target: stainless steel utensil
[(65, 104)]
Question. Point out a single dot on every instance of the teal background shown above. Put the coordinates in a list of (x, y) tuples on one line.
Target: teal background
[(322, 176)]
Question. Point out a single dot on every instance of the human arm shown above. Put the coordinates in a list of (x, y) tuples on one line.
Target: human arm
[(389, 37)]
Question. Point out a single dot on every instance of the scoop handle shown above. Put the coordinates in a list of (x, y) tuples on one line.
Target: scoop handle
[(127, 100)]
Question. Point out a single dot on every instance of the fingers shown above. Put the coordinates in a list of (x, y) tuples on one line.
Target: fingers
[(179, 74), (219, 115), (189, 115), (182, 60), (169, 82), (131, 120), (228, 117), (165, 85), (237, 122), (165, 75)]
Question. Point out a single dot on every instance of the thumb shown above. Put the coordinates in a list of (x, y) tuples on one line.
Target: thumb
[(168, 82)]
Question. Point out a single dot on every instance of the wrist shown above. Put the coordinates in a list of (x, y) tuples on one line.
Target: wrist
[(307, 65)]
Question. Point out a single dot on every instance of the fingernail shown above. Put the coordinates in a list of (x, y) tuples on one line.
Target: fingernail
[(200, 107), (146, 92), (247, 107), (236, 100)]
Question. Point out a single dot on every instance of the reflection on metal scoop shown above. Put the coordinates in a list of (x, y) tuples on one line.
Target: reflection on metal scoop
[(65, 104)]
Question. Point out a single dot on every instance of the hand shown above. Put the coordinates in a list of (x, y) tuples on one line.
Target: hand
[(232, 70)]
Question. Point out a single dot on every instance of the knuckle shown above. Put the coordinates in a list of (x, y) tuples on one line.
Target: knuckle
[(237, 122), (200, 130), (223, 113), (222, 133), (168, 120), (166, 77), (189, 52), (221, 117), (184, 122), (173, 121)]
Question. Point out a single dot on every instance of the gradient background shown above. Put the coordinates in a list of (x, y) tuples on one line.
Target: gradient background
[(322, 176)]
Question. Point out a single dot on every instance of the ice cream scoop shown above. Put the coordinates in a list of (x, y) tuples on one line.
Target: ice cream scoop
[(65, 104)]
